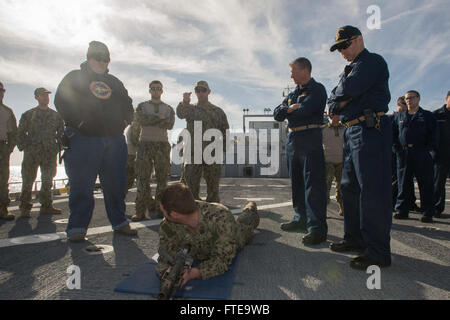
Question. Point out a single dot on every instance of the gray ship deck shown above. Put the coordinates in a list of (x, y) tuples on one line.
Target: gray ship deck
[(35, 254)]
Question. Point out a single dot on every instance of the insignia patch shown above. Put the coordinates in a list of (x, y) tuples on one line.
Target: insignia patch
[(100, 89), (337, 33)]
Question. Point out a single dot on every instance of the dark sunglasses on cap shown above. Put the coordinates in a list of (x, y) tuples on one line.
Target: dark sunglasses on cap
[(201, 89), (346, 44), (156, 88)]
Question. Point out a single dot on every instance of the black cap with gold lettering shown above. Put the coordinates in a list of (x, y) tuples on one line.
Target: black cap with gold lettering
[(343, 35)]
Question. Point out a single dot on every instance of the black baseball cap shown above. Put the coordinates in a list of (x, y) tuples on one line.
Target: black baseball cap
[(344, 34)]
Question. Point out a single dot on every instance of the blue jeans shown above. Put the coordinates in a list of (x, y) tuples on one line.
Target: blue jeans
[(86, 158)]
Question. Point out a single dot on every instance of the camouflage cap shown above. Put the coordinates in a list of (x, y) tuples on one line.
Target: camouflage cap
[(98, 50), (203, 84), (40, 91)]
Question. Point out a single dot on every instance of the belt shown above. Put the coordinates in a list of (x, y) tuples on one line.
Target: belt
[(361, 119), (309, 126)]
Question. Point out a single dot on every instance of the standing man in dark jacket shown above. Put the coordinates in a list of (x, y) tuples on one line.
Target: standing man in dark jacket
[(442, 168), (96, 109), (361, 98), (303, 108), (415, 136)]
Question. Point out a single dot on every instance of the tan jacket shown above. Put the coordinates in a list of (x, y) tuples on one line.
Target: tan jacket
[(155, 120), (333, 142)]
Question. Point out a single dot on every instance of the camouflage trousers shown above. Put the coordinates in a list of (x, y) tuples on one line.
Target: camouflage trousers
[(4, 175), (334, 171), (131, 171), (32, 160), (211, 173), (151, 155), (247, 222)]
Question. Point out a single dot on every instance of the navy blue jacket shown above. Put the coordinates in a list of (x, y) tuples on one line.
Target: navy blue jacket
[(312, 98), (98, 102), (442, 116), (420, 130), (365, 82)]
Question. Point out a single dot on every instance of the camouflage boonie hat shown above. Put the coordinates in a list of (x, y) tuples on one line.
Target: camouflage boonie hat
[(40, 91), (203, 84)]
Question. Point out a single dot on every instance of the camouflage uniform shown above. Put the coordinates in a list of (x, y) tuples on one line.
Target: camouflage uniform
[(333, 141), (132, 137), (39, 137), (212, 117), (8, 140), (153, 152), (215, 242)]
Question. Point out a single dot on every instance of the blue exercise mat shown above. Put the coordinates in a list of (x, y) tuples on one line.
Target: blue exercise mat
[(145, 281)]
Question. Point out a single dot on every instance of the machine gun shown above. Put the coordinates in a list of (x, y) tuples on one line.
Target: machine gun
[(173, 278)]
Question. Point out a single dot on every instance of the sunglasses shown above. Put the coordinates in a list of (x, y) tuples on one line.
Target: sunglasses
[(2, 90), (201, 89), (156, 88), (100, 58), (346, 44)]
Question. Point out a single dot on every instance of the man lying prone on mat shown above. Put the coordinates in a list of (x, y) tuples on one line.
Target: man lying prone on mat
[(209, 230)]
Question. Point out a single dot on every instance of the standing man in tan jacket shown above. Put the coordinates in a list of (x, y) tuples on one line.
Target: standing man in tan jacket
[(155, 118), (333, 141)]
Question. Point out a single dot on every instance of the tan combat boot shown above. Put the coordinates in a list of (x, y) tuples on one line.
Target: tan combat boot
[(251, 206), (50, 210), (127, 230), (25, 213), (77, 237), (138, 217), (5, 214)]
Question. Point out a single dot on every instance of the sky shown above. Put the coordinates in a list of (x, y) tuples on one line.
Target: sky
[(242, 48)]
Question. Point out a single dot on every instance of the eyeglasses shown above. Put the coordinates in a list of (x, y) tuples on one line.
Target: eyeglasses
[(346, 44), (201, 89), (156, 88)]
